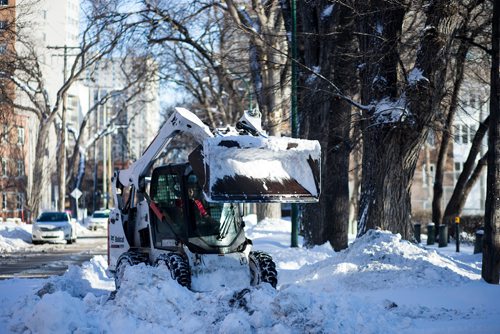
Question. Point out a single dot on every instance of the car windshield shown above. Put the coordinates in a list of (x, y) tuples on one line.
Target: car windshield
[(53, 217), (100, 215)]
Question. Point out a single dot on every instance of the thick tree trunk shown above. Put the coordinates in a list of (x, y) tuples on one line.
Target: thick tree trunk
[(396, 126), (388, 159), (491, 240), (326, 48), (387, 176)]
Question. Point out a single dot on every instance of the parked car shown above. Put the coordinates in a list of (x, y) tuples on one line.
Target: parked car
[(54, 226), (99, 219)]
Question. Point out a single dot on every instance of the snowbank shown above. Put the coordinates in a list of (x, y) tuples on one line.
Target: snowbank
[(381, 284), (14, 237)]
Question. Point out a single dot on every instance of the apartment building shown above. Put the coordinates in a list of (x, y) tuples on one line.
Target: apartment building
[(126, 123), (472, 110), (13, 127)]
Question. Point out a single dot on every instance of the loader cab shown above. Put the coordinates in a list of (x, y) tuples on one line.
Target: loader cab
[(203, 227)]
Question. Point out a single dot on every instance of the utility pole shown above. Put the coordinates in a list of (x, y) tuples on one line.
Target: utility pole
[(105, 160), (62, 141)]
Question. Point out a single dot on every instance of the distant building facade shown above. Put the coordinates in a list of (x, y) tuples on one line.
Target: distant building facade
[(14, 145), (125, 123), (472, 110)]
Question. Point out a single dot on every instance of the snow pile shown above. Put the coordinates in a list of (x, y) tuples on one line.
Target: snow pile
[(14, 237), (381, 284)]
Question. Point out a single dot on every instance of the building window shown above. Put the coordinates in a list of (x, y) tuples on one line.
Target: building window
[(3, 48), (3, 25), (4, 201), (5, 133), (465, 134), (19, 202), (431, 138), (4, 167), (20, 168), (458, 169), (458, 129), (426, 180), (20, 135), (4, 2)]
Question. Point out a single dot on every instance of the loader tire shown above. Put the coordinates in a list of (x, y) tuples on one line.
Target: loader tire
[(125, 260), (178, 267), (262, 269)]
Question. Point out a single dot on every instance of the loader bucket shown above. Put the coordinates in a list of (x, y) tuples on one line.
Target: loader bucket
[(261, 169)]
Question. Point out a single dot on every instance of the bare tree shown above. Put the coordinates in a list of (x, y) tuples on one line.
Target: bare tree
[(471, 32), (215, 63), (491, 240), (28, 78), (395, 127), (268, 50), (327, 55)]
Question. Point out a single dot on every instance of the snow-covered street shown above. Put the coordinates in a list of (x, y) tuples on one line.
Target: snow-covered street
[(381, 284)]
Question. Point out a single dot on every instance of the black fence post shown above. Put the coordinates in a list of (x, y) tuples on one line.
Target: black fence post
[(457, 234), (443, 235), (478, 243), (431, 236), (417, 231)]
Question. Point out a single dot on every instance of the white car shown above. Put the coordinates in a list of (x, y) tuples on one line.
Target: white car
[(99, 219), (54, 226)]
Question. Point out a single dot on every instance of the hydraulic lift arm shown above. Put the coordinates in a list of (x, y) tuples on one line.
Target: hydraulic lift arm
[(182, 120)]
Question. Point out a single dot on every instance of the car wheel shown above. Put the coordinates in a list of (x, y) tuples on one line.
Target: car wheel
[(70, 240)]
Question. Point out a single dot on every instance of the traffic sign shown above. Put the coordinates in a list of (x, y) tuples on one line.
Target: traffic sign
[(76, 193)]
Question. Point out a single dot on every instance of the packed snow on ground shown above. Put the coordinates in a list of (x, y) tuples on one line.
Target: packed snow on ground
[(380, 284)]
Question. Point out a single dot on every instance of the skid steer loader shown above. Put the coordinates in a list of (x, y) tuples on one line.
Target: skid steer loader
[(187, 217)]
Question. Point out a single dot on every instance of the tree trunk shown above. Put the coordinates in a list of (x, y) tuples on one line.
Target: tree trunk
[(437, 212), (267, 52), (396, 125), (61, 159), (388, 161), (465, 181), (325, 49), (387, 176), (491, 240), (39, 172), (337, 189)]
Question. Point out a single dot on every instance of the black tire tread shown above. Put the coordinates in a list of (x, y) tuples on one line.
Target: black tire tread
[(264, 264), (178, 267)]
